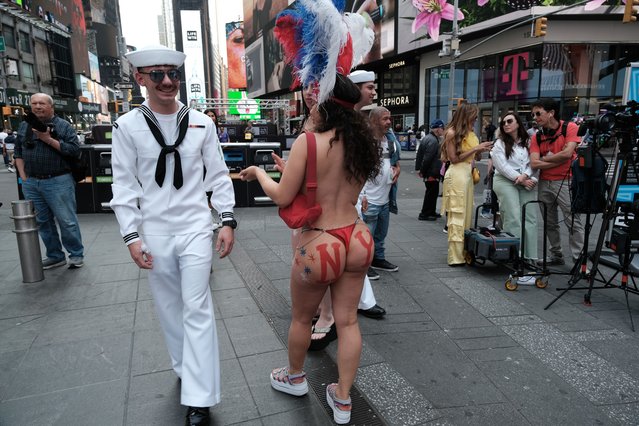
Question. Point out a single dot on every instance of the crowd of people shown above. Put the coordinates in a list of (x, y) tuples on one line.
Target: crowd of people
[(527, 166), (169, 172)]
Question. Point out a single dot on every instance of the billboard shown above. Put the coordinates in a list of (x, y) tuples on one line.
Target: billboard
[(279, 75), (68, 15), (381, 17), (259, 14), (245, 108), (193, 64), (255, 84), (235, 54)]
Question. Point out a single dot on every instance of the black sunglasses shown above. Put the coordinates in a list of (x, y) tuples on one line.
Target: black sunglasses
[(508, 121), (157, 76), (536, 113)]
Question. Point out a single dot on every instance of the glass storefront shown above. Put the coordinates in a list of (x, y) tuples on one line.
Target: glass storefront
[(582, 77)]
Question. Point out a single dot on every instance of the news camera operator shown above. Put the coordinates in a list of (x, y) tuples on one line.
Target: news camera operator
[(44, 146), (552, 151)]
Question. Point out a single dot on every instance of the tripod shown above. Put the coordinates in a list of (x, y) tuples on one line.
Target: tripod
[(626, 171)]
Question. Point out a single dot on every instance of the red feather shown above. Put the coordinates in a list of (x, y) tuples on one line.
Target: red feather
[(345, 57), (285, 30)]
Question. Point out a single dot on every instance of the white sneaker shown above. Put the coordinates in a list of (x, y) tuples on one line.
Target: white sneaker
[(526, 280)]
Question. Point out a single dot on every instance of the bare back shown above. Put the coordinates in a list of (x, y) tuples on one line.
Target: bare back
[(320, 255)]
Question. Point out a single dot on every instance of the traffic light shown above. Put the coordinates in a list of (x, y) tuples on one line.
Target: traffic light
[(631, 11), (541, 24)]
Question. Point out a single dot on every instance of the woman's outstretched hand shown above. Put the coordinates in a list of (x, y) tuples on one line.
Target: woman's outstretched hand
[(249, 174), (279, 162)]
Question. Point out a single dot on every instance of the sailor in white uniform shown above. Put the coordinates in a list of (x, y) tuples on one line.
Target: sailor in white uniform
[(159, 153)]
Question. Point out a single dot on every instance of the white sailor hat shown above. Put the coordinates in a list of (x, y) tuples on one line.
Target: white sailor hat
[(361, 76), (155, 55)]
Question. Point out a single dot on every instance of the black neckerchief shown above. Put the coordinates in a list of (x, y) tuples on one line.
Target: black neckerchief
[(154, 126)]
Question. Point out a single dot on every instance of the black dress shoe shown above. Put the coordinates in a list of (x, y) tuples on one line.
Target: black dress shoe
[(376, 312), (198, 416)]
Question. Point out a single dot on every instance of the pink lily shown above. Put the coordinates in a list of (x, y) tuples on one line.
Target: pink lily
[(431, 13), (481, 2), (592, 5)]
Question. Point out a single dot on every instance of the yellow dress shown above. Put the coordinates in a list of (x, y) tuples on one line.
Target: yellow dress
[(457, 201)]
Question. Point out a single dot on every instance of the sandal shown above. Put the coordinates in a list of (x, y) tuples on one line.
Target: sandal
[(330, 334), (341, 407), (289, 383)]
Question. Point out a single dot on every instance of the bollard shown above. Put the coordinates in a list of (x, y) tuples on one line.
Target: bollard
[(26, 230)]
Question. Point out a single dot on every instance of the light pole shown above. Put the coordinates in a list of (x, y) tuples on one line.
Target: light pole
[(454, 49)]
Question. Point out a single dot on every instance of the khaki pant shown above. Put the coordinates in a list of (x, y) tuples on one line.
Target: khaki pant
[(555, 193)]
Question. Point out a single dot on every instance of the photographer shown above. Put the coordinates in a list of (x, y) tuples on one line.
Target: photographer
[(552, 151), (43, 148)]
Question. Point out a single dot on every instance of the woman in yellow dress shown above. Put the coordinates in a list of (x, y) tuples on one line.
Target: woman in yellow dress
[(460, 147)]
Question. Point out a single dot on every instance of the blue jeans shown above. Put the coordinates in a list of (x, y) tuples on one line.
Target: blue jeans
[(54, 199), (378, 218)]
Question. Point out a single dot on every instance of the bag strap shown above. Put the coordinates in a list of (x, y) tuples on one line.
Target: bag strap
[(311, 169)]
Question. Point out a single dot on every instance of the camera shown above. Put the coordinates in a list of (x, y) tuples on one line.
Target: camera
[(612, 119), (38, 125)]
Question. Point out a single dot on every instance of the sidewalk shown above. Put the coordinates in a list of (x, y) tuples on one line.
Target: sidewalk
[(84, 346)]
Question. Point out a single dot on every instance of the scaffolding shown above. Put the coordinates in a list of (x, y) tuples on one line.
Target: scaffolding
[(282, 107)]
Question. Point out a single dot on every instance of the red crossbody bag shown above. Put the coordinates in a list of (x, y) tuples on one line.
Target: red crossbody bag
[(304, 210)]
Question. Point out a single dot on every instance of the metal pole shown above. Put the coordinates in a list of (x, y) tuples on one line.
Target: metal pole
[(26, 230), (454, 42)]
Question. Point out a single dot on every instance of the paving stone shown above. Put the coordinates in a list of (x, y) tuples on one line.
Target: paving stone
[(490, 414), (67, 365), (621, 353), (234, 302), (436, 367), (599, 380), (251, 334), (498, 354), (154, 399), (474, 332), (446, 308), (485, 299), (145, 316), (486, 343), (81, 324), (236, 404), (385, 388), (150, 354), (99, 294), (276, 270), (117, 272), (625, 414), (224, 279), (102, 403), (584, 336), (19, 333)]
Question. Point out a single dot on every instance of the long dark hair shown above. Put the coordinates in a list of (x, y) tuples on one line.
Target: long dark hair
[(361, 156), (461, 125), (522, 134)]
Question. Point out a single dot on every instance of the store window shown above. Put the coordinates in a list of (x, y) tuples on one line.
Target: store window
[(399, 81), (473, 73), (518, 77), (627, 54), (25, 42), (487, 76), (603, 71), (9, 37)]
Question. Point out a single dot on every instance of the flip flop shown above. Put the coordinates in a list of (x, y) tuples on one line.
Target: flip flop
[(330, 335)]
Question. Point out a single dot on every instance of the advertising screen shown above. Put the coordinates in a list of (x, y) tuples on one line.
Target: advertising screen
[(235, 54), (242, 106), (193, 64)]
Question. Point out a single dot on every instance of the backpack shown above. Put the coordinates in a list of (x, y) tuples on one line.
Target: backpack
[(588, 186)]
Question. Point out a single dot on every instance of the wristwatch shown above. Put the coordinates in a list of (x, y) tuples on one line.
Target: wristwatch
[(230, 222)]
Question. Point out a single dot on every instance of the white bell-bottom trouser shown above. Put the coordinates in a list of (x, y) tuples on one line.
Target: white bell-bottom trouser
[(179, 283), (367, 299)]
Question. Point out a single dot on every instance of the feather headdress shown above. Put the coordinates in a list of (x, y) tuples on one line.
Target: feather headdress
[(319, 41)]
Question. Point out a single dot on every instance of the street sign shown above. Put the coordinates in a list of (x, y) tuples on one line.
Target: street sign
[(2, 47), (123, 85), (126, 107)]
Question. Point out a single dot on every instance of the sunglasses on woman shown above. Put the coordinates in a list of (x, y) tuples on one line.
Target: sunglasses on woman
[(507, 121), (157, 76)]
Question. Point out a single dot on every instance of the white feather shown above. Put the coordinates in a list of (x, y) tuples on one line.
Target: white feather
[(362, 36)]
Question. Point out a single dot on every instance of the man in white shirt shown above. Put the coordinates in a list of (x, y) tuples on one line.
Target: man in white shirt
[(159, 153), (375, 194)]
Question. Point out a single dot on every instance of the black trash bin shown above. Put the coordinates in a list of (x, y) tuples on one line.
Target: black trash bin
[(84, 188), (235, 157), (102, 177), (260, 155)]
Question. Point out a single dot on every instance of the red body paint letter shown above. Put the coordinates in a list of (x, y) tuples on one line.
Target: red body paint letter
[(325, 259)]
